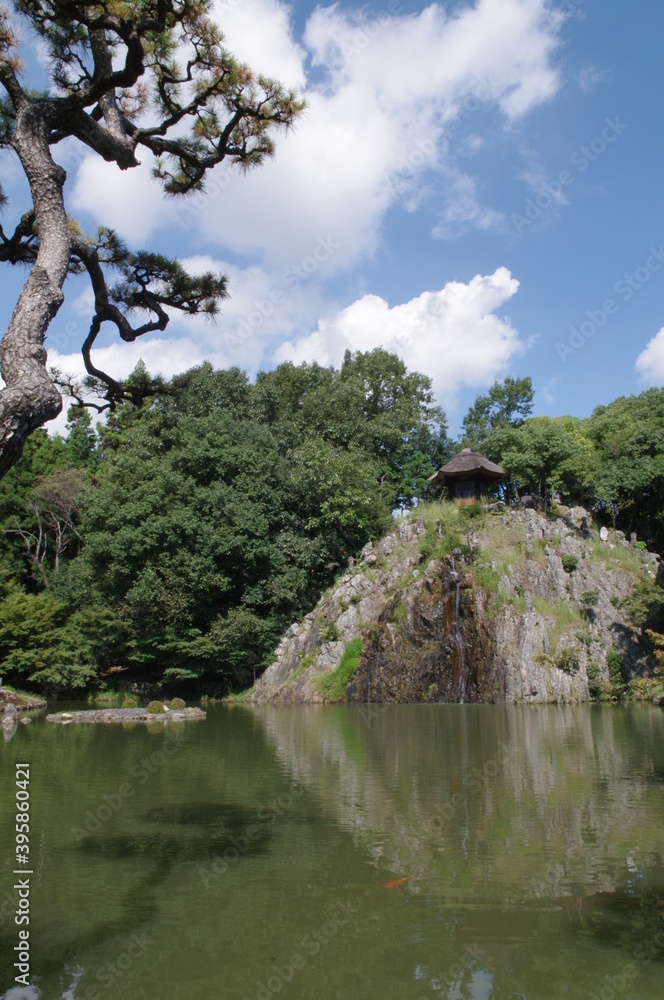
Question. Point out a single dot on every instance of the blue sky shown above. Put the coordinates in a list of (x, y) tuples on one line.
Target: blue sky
[(477, 186)]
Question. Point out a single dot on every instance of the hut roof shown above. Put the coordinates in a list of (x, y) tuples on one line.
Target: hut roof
[(467, 463)]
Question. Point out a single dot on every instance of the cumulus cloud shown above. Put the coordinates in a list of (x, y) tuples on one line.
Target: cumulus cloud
[(165, 356), (650, 362), (261, 310), (259, 34), (385, 93), (452, 335), (130, 201)]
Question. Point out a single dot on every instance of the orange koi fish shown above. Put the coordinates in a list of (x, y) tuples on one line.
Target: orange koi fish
[(396, 882)]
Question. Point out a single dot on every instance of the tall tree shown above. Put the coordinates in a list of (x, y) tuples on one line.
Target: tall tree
[(506, 404), (372, 403), (540, 456), (117, 87)]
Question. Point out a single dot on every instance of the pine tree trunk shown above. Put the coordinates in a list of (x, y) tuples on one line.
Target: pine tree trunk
[(30, 397)]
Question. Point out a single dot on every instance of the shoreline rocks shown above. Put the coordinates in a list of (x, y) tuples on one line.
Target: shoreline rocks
[(9, 697), (114, 715)]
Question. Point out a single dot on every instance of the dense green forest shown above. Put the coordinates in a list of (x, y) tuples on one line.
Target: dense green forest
[(182, 538)]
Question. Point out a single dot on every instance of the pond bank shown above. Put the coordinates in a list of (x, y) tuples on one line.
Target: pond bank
[(21, 702)]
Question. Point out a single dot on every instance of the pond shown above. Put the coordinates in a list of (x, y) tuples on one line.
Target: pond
[(463, 852)]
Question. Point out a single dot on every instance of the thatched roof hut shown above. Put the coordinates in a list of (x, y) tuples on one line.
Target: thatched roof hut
[(468, 475)]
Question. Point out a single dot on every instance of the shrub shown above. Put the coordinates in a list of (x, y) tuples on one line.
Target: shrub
[(645, 606), (570, 563), (646, 688), (129, 701), (595, 686), (590, 597), (617, 670), (333, 685), (303, 665), (328, 632), (400, 614), (155, 708), (177, 704), (486, 577), (566, 660)]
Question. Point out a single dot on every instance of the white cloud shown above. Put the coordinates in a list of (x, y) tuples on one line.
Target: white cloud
[(259, 33), (262, 309), (550, 390), (384, 93), (590, 78), (463, 209), (162, 356), (129, 201), (165, 356), (650, 362), (387, 93), (452, 335)]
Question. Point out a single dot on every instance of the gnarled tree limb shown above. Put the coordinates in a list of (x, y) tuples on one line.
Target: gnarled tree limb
[(117, 87)]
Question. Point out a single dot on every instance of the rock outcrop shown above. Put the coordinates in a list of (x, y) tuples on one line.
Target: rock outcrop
[(526, 610), (107, 716)]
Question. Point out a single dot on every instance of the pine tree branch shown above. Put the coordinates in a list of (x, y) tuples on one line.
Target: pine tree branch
[(21, 247)]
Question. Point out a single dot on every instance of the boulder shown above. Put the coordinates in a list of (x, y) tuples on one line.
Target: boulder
[(10, 715), (578, 515), (604, 534)]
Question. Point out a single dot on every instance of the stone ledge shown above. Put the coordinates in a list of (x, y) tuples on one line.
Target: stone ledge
[(110, 715)]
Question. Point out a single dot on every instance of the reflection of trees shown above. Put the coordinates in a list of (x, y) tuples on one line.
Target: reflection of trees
[(519, 825), (534, 803)]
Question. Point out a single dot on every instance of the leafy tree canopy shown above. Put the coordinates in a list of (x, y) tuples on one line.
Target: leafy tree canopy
[(506, 403), (209, 518)]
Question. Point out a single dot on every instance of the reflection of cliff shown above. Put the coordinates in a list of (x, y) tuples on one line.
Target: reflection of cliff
[(535, 804), (526, 610)]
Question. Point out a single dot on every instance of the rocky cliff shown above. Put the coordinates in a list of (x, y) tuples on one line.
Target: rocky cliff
[(459, 604)]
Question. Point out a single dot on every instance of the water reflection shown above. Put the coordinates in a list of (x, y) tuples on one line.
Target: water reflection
[(381, 852), (511, 823)]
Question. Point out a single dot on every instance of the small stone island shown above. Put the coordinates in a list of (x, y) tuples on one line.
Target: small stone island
[(111, 715)]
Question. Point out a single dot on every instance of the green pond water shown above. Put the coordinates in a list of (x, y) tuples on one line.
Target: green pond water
[(455, 851)]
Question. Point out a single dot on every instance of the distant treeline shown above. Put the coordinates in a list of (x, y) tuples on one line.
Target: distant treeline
[(183, 537)]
